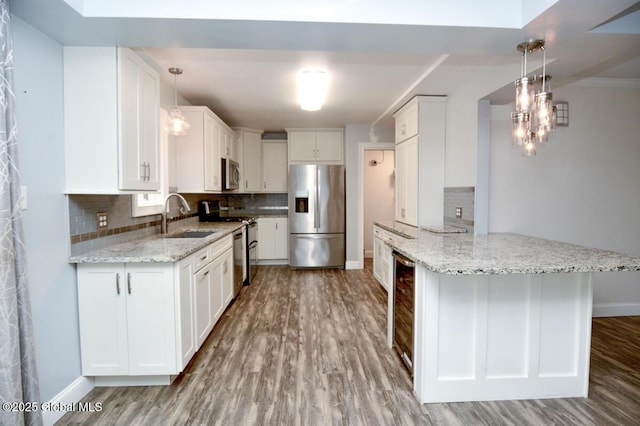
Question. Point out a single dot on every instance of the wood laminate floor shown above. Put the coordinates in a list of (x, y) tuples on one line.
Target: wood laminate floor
[(309, 348)]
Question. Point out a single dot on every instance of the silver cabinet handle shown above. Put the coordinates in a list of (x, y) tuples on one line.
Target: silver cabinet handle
[(265, 184), (129, 282), (404, 129), (246, 183), (205, 274), (225, 268), (146, 171), (118, 283), (203, 257)]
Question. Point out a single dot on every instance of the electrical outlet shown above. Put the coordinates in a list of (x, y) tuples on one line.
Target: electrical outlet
[(101, 217), (458, 212)]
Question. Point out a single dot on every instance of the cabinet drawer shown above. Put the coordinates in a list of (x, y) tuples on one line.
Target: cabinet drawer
[(407, 123), (220, 246), (201, 258)]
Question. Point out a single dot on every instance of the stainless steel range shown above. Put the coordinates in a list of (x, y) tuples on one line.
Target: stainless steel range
[(245, 253)]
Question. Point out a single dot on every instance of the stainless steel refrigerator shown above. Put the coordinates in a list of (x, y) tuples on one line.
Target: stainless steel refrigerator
[(316, 216)]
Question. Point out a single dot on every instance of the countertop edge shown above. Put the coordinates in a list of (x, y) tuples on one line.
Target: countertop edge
[(482, 255), (170, 250)]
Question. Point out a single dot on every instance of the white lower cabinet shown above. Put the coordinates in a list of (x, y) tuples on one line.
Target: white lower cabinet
[(127, 320), (149, 319), (273, 238), (204, 302), (382, 259)]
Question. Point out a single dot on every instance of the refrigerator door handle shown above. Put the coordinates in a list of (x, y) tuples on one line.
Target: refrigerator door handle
[(317, 202)]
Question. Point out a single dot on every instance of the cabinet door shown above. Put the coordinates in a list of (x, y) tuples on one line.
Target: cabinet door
[(329, 147), (266, 238), (216, 290), (411, 181), (212, 135), (227, 278), (252, 158), (407, 182), (377, 259), (151, 319), (281, 238), (190, 153), (274, 166), (231, 143), (302, 147), (202, 282), (139, 147), (385, 268), (187, 338), (103, 319), (400, 169)]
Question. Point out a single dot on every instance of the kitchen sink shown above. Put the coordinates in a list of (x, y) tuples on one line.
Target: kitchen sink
[(191, 234)]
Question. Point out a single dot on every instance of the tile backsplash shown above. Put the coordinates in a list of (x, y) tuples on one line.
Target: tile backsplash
[(459, 197), (122, 227)]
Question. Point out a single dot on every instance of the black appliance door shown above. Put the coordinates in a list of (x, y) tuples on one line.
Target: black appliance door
[(403, 308)]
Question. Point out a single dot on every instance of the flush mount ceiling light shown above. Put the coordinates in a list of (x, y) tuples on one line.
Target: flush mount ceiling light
[(535, 114), (312, 89), (176, 124)]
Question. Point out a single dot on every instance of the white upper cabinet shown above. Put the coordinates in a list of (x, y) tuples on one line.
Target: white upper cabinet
[(420, 150), (111, 119), (316, 146), (250, 145), (198, 154), (274, 166)]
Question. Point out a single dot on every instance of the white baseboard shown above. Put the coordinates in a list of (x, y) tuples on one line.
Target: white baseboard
[(352, 264), (77, 390), (368, 253), (615, 309)]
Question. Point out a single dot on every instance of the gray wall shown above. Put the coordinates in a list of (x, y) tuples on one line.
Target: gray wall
[(52, 281), (583, 187), (354, 134)]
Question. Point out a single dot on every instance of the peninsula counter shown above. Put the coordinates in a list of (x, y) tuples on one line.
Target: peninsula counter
[(500, 316)]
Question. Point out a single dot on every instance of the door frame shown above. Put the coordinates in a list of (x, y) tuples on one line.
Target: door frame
[(362, 147)]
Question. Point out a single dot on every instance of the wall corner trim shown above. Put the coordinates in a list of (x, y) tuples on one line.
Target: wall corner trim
[(73, 393)]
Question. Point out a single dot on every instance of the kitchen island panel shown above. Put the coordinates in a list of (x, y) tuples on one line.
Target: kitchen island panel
[(495, 337)]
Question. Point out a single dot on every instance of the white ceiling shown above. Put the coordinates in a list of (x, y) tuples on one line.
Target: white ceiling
[(240, 58)]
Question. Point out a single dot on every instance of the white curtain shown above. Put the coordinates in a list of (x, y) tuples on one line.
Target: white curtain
[(19, 390)]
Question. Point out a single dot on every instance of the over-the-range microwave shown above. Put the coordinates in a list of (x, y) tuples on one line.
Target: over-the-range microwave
[(230, 174)]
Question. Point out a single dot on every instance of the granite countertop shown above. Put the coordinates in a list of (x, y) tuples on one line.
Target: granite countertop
[(501, 253), (159, 248)]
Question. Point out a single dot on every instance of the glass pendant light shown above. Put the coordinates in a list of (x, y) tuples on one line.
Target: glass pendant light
[(176, 123), (534, 117), (521, 126)]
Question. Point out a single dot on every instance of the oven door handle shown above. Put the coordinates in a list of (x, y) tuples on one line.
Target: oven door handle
[(253, 244)]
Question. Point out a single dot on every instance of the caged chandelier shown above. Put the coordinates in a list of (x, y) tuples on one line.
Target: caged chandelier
[(535, 114)]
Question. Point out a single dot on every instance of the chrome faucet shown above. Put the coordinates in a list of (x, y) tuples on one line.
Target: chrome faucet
[(184, 209)]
